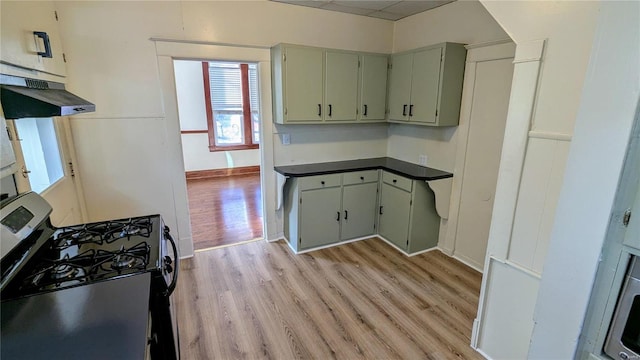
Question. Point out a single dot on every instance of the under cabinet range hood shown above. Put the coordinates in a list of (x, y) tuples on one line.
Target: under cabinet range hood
[(28, 98)]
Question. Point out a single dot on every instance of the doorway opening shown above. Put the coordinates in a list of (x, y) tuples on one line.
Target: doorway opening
[(219, 113)]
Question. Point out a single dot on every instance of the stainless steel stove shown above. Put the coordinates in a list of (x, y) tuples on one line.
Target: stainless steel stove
[(40, 262)]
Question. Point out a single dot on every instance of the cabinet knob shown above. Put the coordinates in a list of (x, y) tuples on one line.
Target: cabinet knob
[(395, 181), (322, 182), (362, 178)]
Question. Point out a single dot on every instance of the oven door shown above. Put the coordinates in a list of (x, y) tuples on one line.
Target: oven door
[(623, 341)]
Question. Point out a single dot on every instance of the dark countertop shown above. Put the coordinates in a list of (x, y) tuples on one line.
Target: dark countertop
[(105, 320), (407, 169)]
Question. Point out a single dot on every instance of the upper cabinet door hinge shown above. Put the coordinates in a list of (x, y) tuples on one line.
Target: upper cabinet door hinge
[(284, 57), (358, 63), (71, 171), (55, 13), (626, 217), (64, 57), (389, 66), (300, 200)]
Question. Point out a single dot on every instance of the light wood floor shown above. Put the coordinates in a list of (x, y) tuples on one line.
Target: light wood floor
[(225, 210), (362, 300)]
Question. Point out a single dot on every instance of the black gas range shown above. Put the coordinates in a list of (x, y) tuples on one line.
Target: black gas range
[(107, 283)]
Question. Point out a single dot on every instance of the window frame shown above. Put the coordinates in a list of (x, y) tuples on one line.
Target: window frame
[(246, 112)]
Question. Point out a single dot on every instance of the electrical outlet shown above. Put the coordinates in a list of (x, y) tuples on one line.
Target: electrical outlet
[(422, 160), (286, 139)]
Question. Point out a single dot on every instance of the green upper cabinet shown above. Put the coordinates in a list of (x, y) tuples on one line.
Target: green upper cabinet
[(303, 82), (341, 86), (425, 85), (373, 87), (315, 85), (400, 86)]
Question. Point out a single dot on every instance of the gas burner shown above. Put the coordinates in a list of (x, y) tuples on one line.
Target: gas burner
[(126, 261), (130, 230), (64, 272)]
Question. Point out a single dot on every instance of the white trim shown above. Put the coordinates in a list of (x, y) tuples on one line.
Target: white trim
[(500, 51), (524, 90), (166, 52), (488, 43), (529, 51), (229, 245), (468, 262), (196, 42), (404, 252), (327, 246), (522, 269), (549, 135)]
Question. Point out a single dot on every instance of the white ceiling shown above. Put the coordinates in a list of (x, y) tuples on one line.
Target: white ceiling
[(382, 9)]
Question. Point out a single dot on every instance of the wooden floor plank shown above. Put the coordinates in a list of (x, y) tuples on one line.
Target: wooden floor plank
[(225, 210), (362, 300)]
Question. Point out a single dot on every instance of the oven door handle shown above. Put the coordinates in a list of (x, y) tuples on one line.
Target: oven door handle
[(176, 266)]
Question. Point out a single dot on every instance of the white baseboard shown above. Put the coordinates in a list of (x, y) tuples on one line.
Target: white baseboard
[(404, 252), (327, 246), (468, 262)]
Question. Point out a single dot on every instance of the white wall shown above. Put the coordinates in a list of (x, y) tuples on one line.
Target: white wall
[(193, 116), (530, 185), (123, 148)]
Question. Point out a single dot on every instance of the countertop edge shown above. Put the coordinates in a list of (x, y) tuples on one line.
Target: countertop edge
[(280, 170)]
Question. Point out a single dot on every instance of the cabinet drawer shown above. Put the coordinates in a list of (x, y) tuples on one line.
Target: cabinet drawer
[(320, 181), (397, 181), (360, 177)]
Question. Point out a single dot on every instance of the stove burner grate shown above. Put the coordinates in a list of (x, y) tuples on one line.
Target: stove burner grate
[(102, 232)]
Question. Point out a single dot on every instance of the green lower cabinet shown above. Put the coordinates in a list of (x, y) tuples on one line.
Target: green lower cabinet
[(394, 213), (358, 210), (408, 216), (329, 209), (319, 217)]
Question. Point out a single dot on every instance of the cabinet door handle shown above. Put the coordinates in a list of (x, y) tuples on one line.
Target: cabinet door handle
[(411, 110), (365, 110), (381, 210), (338, 218), (346, 215), (47, 44), (329, 109), (319, 109), (404, 110)]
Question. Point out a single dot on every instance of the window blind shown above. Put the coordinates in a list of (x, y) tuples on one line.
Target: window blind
[(225, 85)]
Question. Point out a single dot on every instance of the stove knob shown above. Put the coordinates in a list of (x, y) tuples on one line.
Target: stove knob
[(623, 355), (168, 268), (167, 260)]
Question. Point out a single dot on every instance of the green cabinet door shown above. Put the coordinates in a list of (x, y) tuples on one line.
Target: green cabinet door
[(400, 86), (319, 217), (393, 223), (303, 84), (425, 85), (358, 210), (341, 86), (373, 87)]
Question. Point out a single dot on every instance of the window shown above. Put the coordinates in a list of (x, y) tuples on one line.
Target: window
[(40, 151), (231, 95)]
